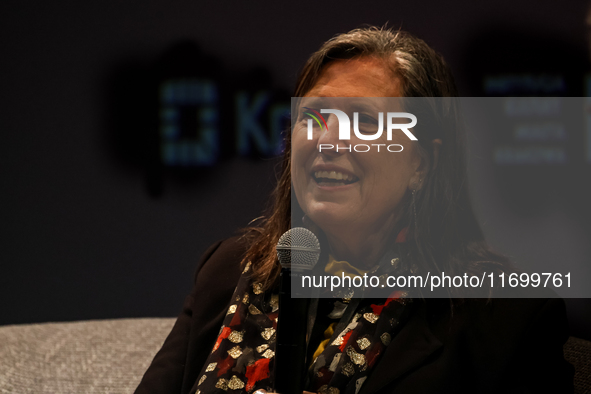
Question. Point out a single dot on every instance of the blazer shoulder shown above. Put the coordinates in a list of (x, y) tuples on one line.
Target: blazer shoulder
[(222, 259)]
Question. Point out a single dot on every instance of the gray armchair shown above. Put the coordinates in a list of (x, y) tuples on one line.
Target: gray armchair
[(578, 352), (111, 356), (96, 356)]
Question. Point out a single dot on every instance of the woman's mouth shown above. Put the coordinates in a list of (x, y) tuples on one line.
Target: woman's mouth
[(333, 178)]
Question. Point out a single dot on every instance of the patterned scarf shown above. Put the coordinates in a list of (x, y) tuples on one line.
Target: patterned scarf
[(242, 358)]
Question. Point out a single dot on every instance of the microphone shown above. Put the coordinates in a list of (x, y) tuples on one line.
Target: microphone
[(298, 251)]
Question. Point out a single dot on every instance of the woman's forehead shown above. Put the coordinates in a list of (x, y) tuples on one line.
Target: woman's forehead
[(350, 105), (358, 77)]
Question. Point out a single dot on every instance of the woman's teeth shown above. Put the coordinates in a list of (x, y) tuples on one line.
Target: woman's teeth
[(333, 177)]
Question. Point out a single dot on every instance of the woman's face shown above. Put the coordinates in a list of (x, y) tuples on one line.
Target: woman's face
[(352, 193)]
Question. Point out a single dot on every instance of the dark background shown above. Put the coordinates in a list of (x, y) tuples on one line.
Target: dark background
[(90, 229)]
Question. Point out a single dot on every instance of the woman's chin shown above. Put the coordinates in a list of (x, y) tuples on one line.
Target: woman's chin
[(331, 222)]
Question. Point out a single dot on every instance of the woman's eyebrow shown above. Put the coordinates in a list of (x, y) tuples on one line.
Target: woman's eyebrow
[(368, 105), (363, 107)]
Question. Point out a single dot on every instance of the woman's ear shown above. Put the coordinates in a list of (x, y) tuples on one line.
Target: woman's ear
[(424, 166)]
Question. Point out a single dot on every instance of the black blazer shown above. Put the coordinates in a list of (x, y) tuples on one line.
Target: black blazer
[(503, 346)]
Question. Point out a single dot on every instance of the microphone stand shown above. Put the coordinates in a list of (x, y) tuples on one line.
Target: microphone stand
[(290, 352)]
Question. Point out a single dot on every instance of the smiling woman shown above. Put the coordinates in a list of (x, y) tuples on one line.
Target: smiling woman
[(357, 216), (409, 208)]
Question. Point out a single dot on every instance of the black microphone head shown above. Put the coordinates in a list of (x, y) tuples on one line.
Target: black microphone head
[(298, 249)]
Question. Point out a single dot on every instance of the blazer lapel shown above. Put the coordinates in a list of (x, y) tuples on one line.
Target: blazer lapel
[(408, 349)]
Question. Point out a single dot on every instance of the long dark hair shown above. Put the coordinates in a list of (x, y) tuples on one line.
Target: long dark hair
[(444, 233)]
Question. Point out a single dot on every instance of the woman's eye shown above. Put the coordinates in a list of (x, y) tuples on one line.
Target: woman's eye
[(363, 118)]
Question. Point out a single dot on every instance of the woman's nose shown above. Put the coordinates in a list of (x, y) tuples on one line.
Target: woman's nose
[(328, 141)]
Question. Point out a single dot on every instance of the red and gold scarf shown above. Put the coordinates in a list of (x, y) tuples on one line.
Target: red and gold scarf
[(242, 358)]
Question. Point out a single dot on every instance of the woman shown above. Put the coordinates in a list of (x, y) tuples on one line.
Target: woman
[(411, 207)]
